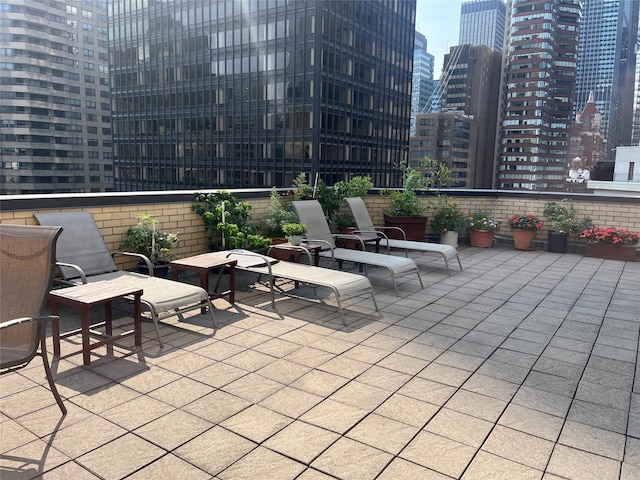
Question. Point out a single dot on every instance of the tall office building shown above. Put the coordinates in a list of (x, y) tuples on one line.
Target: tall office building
[(539, 75), (55, 125), (211, 94), (422, 84), (606, 66), (635, 133), (482, 23)]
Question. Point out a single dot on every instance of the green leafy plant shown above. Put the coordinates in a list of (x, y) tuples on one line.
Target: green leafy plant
[(482, 220), (292, 229), (276, 216), (226, 219), (146, 239), (301, 188), (448, 217), (345, 221), (331, 199), (430, 174), (562, 217)]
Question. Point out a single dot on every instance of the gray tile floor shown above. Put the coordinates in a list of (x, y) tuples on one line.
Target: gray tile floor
[(522, 366)]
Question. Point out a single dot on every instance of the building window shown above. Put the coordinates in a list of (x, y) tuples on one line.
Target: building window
[(631, 168)]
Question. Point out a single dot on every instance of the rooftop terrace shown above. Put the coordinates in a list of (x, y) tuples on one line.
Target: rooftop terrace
[(521, 366)]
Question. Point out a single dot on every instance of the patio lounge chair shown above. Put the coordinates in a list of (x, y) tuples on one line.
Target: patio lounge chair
[(343, 284), (27, 256), (83, 257), (365, 225), (310, 213)]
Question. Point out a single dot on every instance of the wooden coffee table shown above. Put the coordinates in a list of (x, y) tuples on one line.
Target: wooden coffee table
[(85, 296), (202, 265)]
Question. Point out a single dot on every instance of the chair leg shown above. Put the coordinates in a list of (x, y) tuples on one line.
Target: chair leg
[(47, 369), (447, 265), (213, 317), (373, 297), (459, 262)]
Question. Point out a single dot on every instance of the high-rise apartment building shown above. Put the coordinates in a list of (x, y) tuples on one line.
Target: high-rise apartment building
[(462, 133), (211, 94), (55, 124), (539, 86), (482, 23), (422, 83), (606, 66)]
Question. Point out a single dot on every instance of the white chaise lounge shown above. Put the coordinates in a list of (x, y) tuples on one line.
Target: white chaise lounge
[(342, 284), (310, 213), (365, 225)]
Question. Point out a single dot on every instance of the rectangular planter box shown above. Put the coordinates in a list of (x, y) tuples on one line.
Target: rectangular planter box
[(611, 252), (414, 227)]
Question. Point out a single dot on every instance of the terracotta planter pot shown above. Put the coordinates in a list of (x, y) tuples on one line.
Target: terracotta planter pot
[(481, 238), (522, 238), (611, 252), (414, 227)]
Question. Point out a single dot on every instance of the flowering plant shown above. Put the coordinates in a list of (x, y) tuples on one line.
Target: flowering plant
[(610, 235), (482, 221), (524, 222), (449, 217)]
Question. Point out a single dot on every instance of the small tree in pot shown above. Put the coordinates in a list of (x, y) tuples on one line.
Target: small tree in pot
[(146, 239), (562, 220)]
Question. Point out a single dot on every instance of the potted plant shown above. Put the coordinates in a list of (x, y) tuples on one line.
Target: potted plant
[(275, 217), (448, 221), (226, 220), (405, 210), (346, 224), (561, 217), (482, 229), (523, 229), (294, 232), (611, 243), (146, 239)]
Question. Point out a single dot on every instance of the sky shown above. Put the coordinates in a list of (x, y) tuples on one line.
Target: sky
[(439, 21)]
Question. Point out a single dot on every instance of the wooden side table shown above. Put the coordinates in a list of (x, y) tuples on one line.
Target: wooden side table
[(291, 253), (202, 265), (85, 296), (344, 241)]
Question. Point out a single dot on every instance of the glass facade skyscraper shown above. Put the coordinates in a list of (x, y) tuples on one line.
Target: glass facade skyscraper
[(606, 66), (422, 84), (232, 94), (482, 23)]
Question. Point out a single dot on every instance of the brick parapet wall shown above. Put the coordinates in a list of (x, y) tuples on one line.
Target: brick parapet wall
[(177, 217)]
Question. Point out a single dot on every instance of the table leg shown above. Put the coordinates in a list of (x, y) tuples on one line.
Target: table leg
[(232, 284), (204, 283), (108, 327), (86, 353), (55, 327), (137, 320)]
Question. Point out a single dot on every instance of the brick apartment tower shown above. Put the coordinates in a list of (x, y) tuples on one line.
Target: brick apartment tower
[(55, 107), (539, 75)]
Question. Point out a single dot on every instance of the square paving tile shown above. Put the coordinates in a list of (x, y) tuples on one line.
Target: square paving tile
[(350, 459)]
